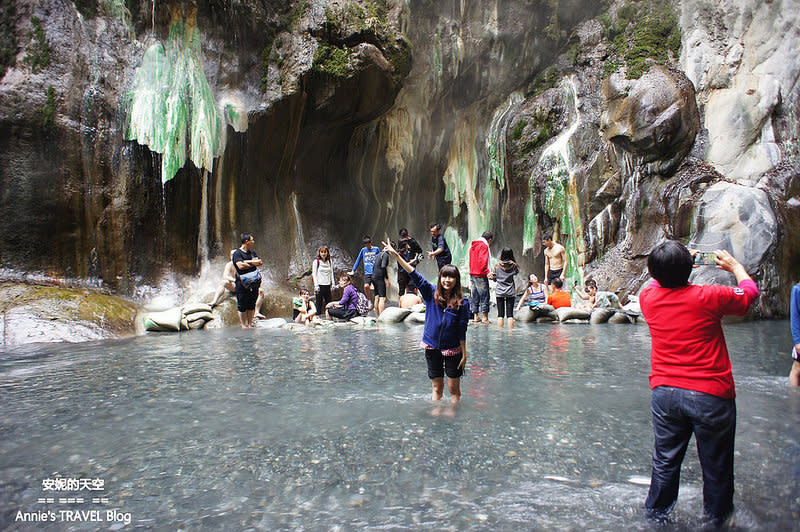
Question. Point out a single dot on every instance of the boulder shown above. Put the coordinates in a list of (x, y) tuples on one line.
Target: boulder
[(654, 118), (363, 320), (273, 323), (736, 218), (393, 315), (419, 307)]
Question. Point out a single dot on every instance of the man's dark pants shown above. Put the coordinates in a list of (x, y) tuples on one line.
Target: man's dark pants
[(677, 413)]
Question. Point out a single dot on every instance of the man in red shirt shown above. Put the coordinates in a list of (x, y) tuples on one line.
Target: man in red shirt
[(479, 276), (691, 378), (558, 298)]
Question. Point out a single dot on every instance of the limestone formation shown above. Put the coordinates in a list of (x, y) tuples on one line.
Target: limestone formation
[(653, 118)]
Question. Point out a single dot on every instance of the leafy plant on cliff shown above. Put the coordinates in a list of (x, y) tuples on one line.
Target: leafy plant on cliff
[(290, 19), (640, 33), (46, 115), (37, 53), (8, 35), (539, 128), (332, 60), (87, 8)]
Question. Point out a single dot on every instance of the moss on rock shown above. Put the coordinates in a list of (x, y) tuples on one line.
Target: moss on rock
[(641, 33)]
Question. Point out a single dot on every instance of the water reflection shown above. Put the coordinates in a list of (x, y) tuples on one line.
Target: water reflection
[(231, 429)]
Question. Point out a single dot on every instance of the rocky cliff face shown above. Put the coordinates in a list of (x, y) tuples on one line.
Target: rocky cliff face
[(139, 138)]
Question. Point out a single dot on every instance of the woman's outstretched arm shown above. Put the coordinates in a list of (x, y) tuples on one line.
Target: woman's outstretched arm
[(387, 247)]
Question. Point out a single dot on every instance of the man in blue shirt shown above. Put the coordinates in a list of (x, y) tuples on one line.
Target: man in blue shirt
[(367, 255), (441, 251)]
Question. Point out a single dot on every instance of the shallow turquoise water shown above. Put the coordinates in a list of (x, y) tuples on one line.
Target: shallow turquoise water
[(270, 430)]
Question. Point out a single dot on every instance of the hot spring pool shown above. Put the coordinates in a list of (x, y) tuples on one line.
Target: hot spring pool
[(268, 430)]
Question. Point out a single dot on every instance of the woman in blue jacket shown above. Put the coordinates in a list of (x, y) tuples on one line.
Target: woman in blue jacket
[(447, 315)]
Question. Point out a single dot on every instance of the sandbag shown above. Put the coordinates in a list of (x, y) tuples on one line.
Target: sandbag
[(415, 317), (193, 308), (525, 314), (601, 315), (393, 315), (419, 307), (545, 319), (166, 320), (620, 317), (571, 313), (199, 316)]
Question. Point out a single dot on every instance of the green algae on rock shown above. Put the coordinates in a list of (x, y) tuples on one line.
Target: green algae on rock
[(172, 106)]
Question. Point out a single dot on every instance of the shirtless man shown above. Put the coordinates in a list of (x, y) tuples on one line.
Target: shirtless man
[(555, 260)]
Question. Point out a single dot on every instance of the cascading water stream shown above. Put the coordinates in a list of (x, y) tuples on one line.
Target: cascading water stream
[(560, 200)]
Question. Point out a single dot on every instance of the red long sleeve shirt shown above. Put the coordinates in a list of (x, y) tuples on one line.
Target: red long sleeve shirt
[(479, 258), (688, 346)]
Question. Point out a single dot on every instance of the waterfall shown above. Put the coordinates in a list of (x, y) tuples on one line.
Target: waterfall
[(301, 256), (202, 233), (560, 200)]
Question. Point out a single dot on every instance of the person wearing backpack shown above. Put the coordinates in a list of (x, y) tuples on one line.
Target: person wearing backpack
[(248, 279), (322, 275), (447, 316), (347, 307)]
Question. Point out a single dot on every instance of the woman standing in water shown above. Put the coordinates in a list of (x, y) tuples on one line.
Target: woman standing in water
[(506, 289), (322, 275), (447, 315)]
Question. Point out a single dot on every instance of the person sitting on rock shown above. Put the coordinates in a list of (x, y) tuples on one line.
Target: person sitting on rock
[(347, 307), (303, 309), (409, 299), (534, 293), (558, 298)]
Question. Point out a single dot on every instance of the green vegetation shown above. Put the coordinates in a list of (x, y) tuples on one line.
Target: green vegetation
[(519, 127), (546, 79), (332, 60), (8, 35), (542, 125), (46, 115), (352, 17), (38, 51), (265, 57), (643, 31), (87, 8), (290, 19)]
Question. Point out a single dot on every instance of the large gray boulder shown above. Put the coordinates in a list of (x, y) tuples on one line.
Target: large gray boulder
[(735, 218), (654, 118), (393, 315)]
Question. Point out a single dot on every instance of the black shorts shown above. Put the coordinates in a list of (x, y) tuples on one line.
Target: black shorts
[(380, 287), (342, 313), (439, 365), (246, 299), (554, 274), (367, 278)]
